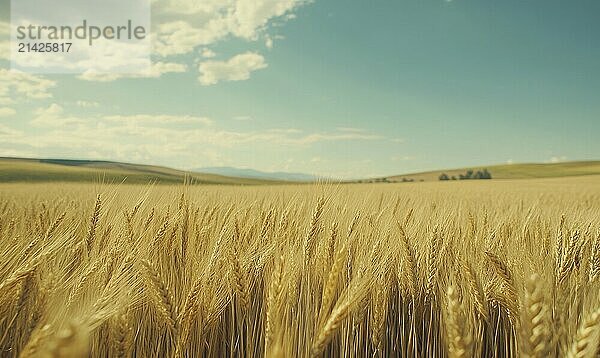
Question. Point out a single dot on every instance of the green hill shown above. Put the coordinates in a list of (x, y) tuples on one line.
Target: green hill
[(59, 170), (62, 170), (511, 171)]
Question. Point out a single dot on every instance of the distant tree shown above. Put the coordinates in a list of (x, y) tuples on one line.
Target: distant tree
[(470, 174), (444, 176)]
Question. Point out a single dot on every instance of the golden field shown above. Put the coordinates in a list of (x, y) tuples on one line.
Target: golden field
[(449, 269)]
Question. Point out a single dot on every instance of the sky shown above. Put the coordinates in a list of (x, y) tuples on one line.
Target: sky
[(341, 88)]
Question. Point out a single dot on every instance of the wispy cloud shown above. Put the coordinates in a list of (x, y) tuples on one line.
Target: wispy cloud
[(207, 53), (351, 129), (4, 50), (156, 70), (87, 104), (17, 84), (237, 68), (4, 41), (7, 111), (7, 132), (146, 119), (331, 137), (402, 158), (54, 116), (557, 159), (154, 138), (4, 29)]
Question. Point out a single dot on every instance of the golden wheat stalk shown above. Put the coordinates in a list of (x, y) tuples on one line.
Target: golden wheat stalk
[(459, 337), (476, 291), (162, 297), (314, 230), (508, 294), (536, 330), (407, 275), (347, 302), (91, 234), (585, 344)]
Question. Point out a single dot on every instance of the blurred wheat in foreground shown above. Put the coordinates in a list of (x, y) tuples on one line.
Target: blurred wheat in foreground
[(495, 269)]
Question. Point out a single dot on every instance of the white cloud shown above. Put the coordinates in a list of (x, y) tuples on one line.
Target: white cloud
[(156, 70), (160, 119), (7, 133), (351, 129), (160, 68), (331, 137), (20, 84), (161, 138), (53, 116), (180, 37), (4, 28), (15, 85), (5, 101), (106, 56), (207, 53), (184, 25), (269, 42), (558, 159), (285, 131), (100, 77), (54, 110), (7, 111), (250, 16), (190, 7), (242, 118), (402, 158), (4, 50), (15, 153), (87, 104), (237, 68)]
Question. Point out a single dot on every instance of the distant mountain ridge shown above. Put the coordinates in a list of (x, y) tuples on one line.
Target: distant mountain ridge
[(257, 174)]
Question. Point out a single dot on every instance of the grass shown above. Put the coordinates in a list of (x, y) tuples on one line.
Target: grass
[(515, 171), (480, 268)]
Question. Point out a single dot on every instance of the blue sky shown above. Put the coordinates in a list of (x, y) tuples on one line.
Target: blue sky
[(338, 88)]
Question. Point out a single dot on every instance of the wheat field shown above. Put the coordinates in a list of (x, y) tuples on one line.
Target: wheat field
[(463, 269)]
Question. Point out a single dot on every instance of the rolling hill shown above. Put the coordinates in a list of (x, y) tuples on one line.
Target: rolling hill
[(510, 171), (60, 170), (63, 170)]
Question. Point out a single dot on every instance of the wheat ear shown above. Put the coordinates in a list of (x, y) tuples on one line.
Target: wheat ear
[(586, 341)]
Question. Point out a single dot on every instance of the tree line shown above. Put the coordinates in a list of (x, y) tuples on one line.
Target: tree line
[(469, 175)]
